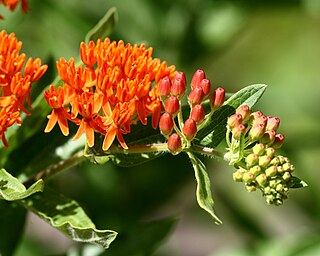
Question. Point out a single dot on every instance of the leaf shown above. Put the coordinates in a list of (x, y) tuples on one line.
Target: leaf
[(12, 189), (104, 27), (203, 193), (214, 132), (67, 216), (12, 220), (297, 183)]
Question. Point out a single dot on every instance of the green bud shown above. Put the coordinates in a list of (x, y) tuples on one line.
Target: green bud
[(271, 171), (267, 190), (286, 176), (250, 188), (238, 176), (258, 149), (279, 188), (270, 152), (248, 177), (251, 160), (264, 161), (275, 161), (280, 169), (286, 166), (262, 179), (256, 170)]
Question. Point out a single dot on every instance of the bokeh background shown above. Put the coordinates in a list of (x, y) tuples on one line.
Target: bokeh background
[(153, 205)]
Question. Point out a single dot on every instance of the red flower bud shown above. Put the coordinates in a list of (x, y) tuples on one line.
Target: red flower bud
[(164, 87), (217, 98), (197, 78), (197, 113), (179, 85), (260, 120), (172, 105), (166, 124), (272, 123), (206, 86), (196, 96), (234, 120), (244, 111), (189, 129), (278, 141), (174, 143)]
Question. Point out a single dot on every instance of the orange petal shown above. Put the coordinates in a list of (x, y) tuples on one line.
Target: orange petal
[(90, 136), (63, 124), (109, 138), (121, 140), (53, 118), (81, 130)]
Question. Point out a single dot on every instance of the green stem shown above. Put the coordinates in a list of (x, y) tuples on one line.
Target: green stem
[(207, 151), (157, 147)]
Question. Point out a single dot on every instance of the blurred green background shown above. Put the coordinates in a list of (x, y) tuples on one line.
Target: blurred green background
[(153, 206)]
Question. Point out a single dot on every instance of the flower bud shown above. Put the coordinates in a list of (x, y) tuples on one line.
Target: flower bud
[(271, 171), (275, 161), (196, 96), (179, 85), (279, 139), (256, 170), (174, 144), (272, 123), (172, 105), (198, 76), (197, 113), (255, 115), (256, 131), (286, 176), (189, 129), (268, 137), (260, 120), (244, 111), (250, 188), (234, 120), (237, 176), (258, 149), (206, 87), (217, 98), (264, 161), (181, 76), (262, 179), (164, 87), (238, 131), (248, 177), (251, 160), (270, 152), (166, 124)]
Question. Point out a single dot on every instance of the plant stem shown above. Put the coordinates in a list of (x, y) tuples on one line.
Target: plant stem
[(207, 151)]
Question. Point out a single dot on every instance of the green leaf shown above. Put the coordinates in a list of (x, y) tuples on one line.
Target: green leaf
[(203, 193), (12, 189), (297, 183), (67, 216), (12, 220), (104, 27), (214, 132)]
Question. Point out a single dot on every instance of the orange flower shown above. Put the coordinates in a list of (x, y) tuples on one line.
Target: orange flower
[(15, 85), (114, 88), (11, 4)]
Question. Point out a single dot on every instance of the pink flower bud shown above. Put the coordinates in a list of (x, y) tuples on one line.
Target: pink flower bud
[(179, 85), (268, 137), (206, 86), (272, 123), (197, 113), (237, 131), (234, 120), (174, 144), (196, 96), (189, 129), (164, 87), (256, 131), (260, 120), (278, 141), (255, 115), (166, 124), (172, 105), (217, 98), (244, 111), (197, 78)]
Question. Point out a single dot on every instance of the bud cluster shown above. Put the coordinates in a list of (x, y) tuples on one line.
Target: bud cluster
[(171, 93), (252, 142)]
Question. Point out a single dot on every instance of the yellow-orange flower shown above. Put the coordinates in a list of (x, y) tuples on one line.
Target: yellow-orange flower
[(11, 4), (15, 85), (115, 87)]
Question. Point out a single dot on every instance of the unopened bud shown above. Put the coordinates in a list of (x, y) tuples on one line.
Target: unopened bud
[(198, 76), (248, 177), (270, 152), (237, 176), (286, 176), (268, 137), (181, 76), (178, 87), (271, 171), (196, 96), (217, 98), (206, 87), (244, 111), (234, 120), (172, 105), (164, 87), (256, 170), (256, 131), (250, 188), (189, 129), (255, 115), (264, 161), (174, 144), (275, 161), (258, 149), (278, 142), (260, 120), (272, 123), (197, 113), (262, 179), (238, 131), (166, 124), (251, 160)]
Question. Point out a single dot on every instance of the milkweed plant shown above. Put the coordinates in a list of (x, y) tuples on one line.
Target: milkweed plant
[(130, 107)]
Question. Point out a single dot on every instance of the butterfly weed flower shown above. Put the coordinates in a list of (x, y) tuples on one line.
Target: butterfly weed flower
[(252, 140), (114, 87), (15, 83)]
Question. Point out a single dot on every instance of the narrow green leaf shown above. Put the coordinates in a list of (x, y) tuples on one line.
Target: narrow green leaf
[(104, 27), (297, 183), (12, 189), (203, 193), (214, 132), (67, 216), (12, 220)]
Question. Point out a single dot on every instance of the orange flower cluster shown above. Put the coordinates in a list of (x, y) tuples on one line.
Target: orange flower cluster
[(11, 4), (15, 86), (116, 87)]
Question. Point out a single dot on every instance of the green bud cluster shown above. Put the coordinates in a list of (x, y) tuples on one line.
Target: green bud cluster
[(252, 142)]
